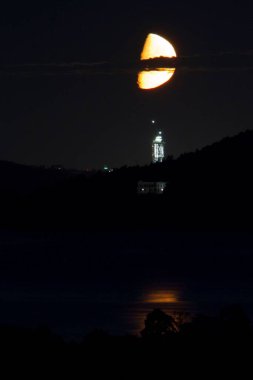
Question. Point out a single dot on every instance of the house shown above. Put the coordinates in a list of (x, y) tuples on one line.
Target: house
[(144, 188)]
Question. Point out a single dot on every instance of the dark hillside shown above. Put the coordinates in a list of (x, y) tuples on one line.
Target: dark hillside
[(210, 186)]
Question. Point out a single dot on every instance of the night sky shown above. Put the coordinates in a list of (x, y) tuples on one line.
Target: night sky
[(87, 121)]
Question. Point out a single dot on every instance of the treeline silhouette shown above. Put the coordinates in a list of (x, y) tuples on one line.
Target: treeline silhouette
[(166, 346), (210, 186)]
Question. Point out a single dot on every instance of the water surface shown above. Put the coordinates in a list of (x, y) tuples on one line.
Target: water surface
[(77, 282)]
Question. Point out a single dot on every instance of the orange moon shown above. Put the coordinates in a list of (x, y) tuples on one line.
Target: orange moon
[(155, 47)]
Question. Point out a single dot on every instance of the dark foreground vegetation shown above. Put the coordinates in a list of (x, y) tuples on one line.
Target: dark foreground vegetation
[(202, 347), (210, 187)]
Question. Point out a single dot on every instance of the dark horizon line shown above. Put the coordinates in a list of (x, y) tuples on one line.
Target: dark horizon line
[(197, 62), (55, 166)]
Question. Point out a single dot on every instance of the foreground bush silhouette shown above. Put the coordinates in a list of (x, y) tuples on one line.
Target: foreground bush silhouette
[(235, 323), (159, 324), (164, 347)]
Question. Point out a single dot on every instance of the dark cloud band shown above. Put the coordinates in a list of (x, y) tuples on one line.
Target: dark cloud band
[(221, 61)]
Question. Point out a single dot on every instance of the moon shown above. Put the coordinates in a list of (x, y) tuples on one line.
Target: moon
[(156, 46)]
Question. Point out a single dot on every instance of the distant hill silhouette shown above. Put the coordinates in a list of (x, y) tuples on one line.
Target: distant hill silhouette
[(25, 179), (209, 185), (216, 179)]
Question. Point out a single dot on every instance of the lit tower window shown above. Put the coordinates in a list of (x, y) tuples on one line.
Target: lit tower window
[(158, 148)]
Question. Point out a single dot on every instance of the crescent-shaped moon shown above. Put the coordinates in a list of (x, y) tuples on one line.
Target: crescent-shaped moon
[(154, 47)]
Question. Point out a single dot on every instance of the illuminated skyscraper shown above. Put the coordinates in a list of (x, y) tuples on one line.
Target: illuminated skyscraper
[(158, 148)]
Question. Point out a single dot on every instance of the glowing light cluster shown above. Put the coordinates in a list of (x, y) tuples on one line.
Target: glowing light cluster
[(158, 139), (155, 47)]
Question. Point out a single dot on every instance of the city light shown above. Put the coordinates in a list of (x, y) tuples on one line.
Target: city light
[(158, 148)]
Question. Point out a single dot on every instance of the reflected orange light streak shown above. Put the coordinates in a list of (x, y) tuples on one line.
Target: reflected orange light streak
[(161, 296)]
